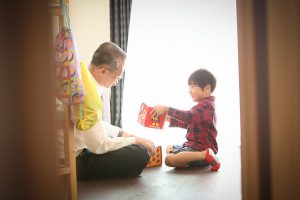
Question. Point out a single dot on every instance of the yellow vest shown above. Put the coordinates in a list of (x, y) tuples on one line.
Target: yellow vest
[(91, 108)]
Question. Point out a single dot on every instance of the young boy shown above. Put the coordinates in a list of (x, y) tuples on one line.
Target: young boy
[(200, 122)]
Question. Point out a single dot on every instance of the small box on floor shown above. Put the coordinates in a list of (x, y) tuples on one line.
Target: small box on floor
[(156, 159), (145, 118)]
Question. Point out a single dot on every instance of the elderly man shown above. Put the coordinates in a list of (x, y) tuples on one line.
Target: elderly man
[(104, 150)]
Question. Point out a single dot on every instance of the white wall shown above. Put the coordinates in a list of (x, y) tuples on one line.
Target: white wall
[(90, 23)]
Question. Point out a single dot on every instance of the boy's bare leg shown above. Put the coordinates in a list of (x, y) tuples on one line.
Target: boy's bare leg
[(182, 159)]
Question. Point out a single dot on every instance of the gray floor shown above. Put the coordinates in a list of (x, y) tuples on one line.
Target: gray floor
[(164, 182)]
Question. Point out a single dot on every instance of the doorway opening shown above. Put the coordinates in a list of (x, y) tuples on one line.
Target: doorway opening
[(167, 42)]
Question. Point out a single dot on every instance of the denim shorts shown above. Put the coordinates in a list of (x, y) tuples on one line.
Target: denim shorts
[(180, 148)]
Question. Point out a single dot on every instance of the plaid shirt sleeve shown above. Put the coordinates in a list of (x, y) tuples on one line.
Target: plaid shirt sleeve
[(175, 122), (200, 122), (181, 118)]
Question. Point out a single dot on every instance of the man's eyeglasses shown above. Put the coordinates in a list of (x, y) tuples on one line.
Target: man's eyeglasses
[(116, 77)]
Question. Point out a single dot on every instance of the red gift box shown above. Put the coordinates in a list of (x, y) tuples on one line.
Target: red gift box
[(145, 118)]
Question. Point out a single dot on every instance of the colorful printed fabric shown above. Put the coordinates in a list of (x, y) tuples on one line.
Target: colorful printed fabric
[(70, 89)]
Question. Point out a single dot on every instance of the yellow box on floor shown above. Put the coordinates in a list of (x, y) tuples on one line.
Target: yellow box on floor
[(156, 159)]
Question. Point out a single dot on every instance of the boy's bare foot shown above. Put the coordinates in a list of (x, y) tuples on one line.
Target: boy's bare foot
[(169, 149)]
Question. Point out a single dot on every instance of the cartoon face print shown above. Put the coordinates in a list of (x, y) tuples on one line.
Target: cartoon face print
[(70, 56), (58, 70), (65, 72), (59, 57), (59, 43), (64, 88), (77, 98), (74, 85)]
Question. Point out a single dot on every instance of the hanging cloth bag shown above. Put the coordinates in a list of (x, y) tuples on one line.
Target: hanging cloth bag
[(69, 87), (67, 66)]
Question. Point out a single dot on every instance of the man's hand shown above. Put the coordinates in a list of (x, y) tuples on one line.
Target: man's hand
[(147, 143), (125, 134)]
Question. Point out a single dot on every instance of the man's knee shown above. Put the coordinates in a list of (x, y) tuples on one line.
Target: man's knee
[(142, 154)]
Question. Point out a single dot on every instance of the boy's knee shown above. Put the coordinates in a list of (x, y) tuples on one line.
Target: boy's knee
[(169, 161)]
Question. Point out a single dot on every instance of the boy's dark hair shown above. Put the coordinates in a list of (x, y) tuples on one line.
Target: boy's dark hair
[(202, 78), (110, 54)]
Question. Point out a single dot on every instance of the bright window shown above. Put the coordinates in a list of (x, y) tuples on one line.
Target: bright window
[(168, 40)]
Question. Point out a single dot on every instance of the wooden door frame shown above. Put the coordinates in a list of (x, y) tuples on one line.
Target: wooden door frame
[(268, 48)]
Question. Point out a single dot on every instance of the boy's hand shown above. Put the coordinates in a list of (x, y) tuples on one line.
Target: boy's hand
[(168, 119), (159, 110)]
